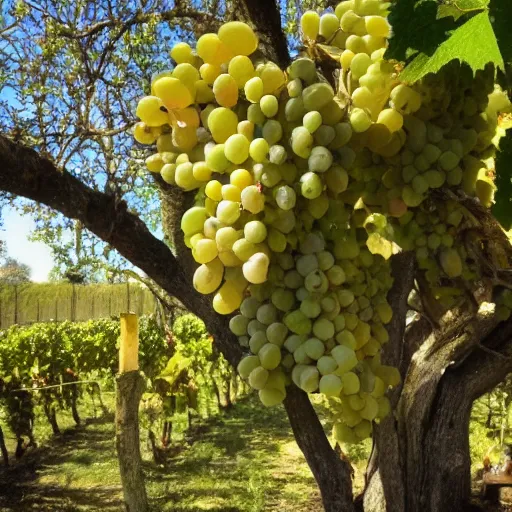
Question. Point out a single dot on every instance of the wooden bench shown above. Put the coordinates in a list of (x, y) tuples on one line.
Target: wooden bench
[(493, 482)]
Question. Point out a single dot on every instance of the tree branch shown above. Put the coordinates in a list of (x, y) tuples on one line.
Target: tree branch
[(26, 174), (330, 471)]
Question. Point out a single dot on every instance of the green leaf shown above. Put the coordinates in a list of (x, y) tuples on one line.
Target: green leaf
[(457, 8), (502, 208), (473, 42), (417, 28), (175, 367)]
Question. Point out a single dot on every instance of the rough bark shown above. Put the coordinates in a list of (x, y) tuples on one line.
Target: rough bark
[(51, 415), (3, 448), (331, 473), (265, 18), (130, 387), (423, 461)]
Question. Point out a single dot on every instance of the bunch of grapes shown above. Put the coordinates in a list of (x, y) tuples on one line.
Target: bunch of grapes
[(304, 192)]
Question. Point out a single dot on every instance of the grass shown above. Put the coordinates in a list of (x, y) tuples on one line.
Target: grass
[(244, 460)]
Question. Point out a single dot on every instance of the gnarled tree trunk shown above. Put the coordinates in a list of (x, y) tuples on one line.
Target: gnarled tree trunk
[(421, 460)]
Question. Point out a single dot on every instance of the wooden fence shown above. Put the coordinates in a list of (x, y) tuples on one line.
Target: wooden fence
[(34, 302)]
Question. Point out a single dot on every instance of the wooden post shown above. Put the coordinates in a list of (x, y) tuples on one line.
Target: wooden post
[(130, 386)]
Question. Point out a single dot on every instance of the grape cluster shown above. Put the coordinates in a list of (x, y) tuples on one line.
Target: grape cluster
[(304, 192)]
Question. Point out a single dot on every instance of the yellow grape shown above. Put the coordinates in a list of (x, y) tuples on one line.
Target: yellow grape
[(238, 37), (152, 111), (173, 92), (212, 50), (241, 69), (181, 52)]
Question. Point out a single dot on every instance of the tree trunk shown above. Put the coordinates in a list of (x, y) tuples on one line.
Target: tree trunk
[(3, 448), (421, 461), (51, 415), (331, 473), (130, 387)]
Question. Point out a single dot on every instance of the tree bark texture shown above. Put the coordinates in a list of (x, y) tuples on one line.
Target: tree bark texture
[(130, 386), (421, 461), (331, 473), (3, 448)]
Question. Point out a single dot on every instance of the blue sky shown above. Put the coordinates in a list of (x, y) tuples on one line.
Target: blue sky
[(15, 232)]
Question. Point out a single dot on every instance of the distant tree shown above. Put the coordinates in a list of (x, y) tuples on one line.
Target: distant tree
[(14, 272)]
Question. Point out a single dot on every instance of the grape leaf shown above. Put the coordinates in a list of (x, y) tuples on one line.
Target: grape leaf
[(457, 8), (473, 42), (416, 28), (502, 209)]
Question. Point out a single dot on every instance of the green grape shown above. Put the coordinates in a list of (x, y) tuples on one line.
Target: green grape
[(294, 109), (252, 199), (272, 131), (269, 105), (318, 206), (222, 123), (258, 377), (350, 381), (310, 25), (448, 161), (435, 179), (377, 26), (356, 44), (244, 249), (247, 365), (294, 88), (228, 212), (297, 322), (238, 325), (312, 121), (320, 159), (241, 69), (302, 140), (309, 379), (193, 220), (346, 339), (205, 251), (168, 173), (303, 68), (346, 59), (258, 150), (208, 277), (256, 267), (226, 237), (392, 119), (277, 154), (345, 358), (344, 434), (329, 24), (236, 148), (285, 197), (254, 326), (360, 120), (314, 348), (419, 184), (311, 185), (326, 365), (323, 329), (359, 65), (270, 356), (317, 96), (257, 340), (352, 23), (249, 307), (225, 90), (276, 241), (324, 135), (271, 396), (310, 307), (255, 231), (255, 115), (330, 385), (276, 333), (238, 37), (363, 430)]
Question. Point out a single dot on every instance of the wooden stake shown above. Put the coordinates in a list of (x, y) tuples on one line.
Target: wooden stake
[(130, 387), (129, 348)]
